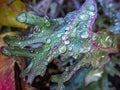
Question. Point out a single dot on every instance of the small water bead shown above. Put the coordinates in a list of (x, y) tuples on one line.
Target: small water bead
[(49, 58), (47, 47), (71, 53), (19, 43), (85, 35), (48, 41), (65, 37), (86, 46), (73, 32), (21, 17), (67, 42), (84, 26), (67, 32), (70, 48), (47, 24), (67, 28), (5, 51), (62, 49), (94, 37), (91, 13), (37, 52), (84, 50), (84, 17), (36, 29), (59, 35), (91, 7), (75, 56)]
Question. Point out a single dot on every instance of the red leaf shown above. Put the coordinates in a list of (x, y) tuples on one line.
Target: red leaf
[(7, 80)]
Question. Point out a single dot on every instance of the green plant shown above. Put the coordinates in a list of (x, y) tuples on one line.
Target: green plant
[(71, 36)]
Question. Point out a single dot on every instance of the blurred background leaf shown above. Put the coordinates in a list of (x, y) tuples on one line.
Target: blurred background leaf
[(8, 13), (7, 81)]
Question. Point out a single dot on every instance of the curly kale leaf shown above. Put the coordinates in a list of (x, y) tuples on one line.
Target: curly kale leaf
[(70, 36)]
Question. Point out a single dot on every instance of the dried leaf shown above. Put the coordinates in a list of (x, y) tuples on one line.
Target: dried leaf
[(7, 80)]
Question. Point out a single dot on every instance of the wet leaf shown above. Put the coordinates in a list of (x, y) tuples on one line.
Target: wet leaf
[(57, 38)]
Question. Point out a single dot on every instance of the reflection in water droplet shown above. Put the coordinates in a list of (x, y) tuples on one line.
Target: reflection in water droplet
[(85, 35), (47, 47), (62, 49), (67, 42), (19, 43), (71, 53), (21, 17), (67, 32), (67, 28), (84, 17), (91, 13), (70, 48), (64, 37), (84, 49), (5, 51), (36, 52), (59, 35), (91, 7), (48, 41), (86, 46)]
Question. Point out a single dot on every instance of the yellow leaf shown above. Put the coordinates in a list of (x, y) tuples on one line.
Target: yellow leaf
[(2, 43), (8, 13)]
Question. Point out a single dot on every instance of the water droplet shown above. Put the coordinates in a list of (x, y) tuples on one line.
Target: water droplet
[(42, 31), (70, 48), (85, 48), (84, 17), (64, 37), (85, 35), (62, 49), (48, 41), (31, 51), (21, 17), (47, 47), (75, 56), (59, 35), (67, 42), (67, 32), (67, 28), (91, 7), (91, 13), (5, 51), (84, 26), (73, 33), (71, 53), (19, 43)]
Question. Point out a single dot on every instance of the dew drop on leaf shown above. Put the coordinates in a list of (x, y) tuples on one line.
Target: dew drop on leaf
[(21, 17), (85, 35), (70, 48), (62, 49), (67, 32), (48, 41), (59, 35), (91, 7), (64, 37), (84, 17), (91, 13), (67, 42)]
